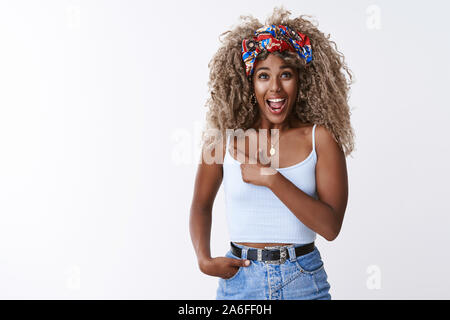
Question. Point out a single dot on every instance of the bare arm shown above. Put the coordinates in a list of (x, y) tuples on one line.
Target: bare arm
[(207, 183), (324, 216)]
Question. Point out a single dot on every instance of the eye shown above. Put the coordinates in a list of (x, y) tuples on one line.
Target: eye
[(286, 74)]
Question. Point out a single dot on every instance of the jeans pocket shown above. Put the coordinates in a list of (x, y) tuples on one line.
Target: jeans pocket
[(234, 276), (322, 285), (230, 255), (310, 263)]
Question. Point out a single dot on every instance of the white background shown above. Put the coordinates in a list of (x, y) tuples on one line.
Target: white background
[(101, 107)]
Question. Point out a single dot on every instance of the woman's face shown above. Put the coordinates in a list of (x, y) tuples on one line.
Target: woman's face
[(275, 85)]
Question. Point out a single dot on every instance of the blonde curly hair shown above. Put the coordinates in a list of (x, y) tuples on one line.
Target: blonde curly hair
[(323, 86)]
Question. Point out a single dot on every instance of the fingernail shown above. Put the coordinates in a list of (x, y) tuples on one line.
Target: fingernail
[(247, 263)]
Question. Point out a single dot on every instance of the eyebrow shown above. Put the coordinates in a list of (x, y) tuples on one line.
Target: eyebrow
[(265, 68)]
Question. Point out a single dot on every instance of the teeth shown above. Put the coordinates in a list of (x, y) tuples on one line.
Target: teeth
[(276, 100)]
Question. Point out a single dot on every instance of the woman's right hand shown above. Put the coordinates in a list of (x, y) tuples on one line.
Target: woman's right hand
[(223, 267)]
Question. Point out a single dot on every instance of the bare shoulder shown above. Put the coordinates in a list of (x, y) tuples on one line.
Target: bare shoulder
[(325, 142), (209, 177), (214, 154), (324, 139)]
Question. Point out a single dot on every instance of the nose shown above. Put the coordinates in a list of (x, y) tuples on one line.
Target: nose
[(275, 84)]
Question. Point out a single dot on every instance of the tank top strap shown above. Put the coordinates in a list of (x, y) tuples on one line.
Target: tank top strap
[(227, 146), (228, 142), (313, 138)]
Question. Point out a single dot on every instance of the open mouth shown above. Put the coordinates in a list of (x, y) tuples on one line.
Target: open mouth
[(276, 106)]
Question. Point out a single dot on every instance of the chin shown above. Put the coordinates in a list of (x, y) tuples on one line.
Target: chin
[(277, 118)]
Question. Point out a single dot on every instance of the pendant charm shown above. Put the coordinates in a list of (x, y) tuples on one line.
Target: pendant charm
[(272, 151)]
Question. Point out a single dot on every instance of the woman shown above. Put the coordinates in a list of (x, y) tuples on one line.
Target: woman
[(285, 178)]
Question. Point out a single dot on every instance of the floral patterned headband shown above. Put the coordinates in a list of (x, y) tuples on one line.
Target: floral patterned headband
[(274, 38)]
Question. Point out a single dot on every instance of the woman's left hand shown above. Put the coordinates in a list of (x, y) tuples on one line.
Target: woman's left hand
[(254, 171)]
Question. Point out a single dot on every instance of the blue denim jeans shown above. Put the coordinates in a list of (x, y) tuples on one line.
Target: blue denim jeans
[(298, 278)]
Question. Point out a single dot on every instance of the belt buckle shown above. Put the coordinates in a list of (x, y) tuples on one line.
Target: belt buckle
[(283, 255)]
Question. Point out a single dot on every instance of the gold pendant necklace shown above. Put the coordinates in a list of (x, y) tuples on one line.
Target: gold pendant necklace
[(272, 150), (272, 147)]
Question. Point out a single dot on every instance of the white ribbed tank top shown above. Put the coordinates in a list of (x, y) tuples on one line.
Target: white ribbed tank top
[(255, 214)]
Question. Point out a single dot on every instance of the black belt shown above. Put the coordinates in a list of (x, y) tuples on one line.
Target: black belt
[(272, 254)]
